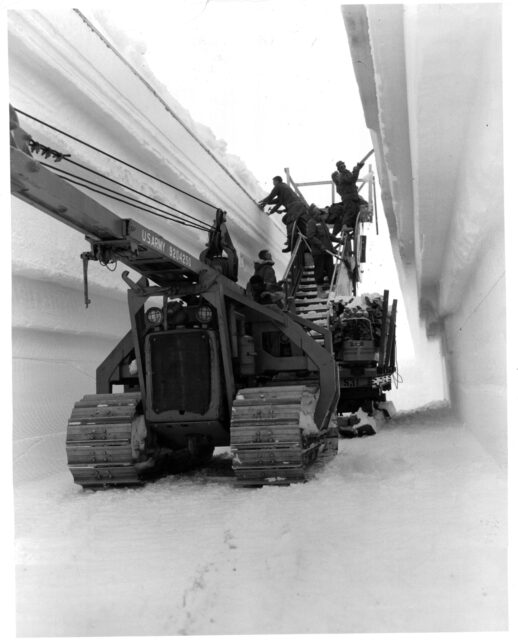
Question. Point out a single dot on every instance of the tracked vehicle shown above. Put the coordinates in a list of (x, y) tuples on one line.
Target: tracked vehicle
[(203, 365), (363, 328)]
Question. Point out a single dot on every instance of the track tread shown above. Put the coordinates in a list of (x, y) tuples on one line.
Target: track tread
[(267, 440), (99, 441)]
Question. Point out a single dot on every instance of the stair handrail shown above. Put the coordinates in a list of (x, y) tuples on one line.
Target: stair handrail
[(291, 183), (364, 215), (295, 268), (369, 178), (296, 263), (340, 261)]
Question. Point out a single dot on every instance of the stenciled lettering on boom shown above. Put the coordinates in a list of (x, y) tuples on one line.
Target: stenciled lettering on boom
[(165, 247), (153, 241)]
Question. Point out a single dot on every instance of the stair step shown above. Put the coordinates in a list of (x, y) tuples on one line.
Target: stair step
[(317, 336), (307, 295), (317, 302), (312, 314), (314, 317), (310, 295), (312, 310)]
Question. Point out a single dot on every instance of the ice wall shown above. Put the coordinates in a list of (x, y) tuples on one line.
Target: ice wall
[(66, 72), (430, 81), (475, 349)]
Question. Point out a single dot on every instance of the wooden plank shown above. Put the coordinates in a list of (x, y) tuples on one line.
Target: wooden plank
[(384, 322), (391, 344)]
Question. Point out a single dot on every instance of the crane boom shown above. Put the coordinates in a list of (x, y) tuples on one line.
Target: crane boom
[(40, 187), (135, 245), (204, 364)]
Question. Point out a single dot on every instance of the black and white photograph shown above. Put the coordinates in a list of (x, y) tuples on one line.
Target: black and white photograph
[(259, 281)]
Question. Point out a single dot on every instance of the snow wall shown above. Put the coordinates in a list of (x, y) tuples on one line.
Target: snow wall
[(66, 71), (430, 82)]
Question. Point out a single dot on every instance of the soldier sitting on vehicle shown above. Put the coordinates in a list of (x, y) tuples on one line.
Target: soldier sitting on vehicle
[(260, 292), (264, 268)]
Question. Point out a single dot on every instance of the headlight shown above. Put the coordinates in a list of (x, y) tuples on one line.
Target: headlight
[(154, 315), (204, 314)]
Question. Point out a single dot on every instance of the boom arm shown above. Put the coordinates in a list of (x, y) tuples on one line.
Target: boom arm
[(136, 246)]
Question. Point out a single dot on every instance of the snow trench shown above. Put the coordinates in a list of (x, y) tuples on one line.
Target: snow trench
[(404, 531)]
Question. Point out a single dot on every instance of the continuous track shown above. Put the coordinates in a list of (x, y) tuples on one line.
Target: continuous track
[(106, 441), (273, 437)]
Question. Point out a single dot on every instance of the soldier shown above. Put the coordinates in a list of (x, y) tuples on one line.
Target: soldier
[(345, 182), (296, 212), (322, 250), (264, 268), (262, 294)]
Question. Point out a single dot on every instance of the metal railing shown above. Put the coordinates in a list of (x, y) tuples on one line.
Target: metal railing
[(350, 255), (352, 250), (294, 271), (343, 262)]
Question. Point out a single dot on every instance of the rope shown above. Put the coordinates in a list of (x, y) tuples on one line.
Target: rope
[(109, 155), (141, 208), (140, 193), (172, 217)]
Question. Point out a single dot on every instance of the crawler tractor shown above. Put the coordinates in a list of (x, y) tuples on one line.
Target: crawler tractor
[(203, 364)]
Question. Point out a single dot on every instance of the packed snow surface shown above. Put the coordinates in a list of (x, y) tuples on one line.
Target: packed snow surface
[(403, 531)]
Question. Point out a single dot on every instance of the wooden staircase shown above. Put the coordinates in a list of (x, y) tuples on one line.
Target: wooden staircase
[(309, 304)]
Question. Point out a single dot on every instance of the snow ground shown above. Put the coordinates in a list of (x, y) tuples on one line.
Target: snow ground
[(402, 532)]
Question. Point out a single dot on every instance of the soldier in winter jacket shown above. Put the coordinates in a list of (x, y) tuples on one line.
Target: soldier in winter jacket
[(322, 250), (345, 182), (282, 196), (264, 268), (263, 285)]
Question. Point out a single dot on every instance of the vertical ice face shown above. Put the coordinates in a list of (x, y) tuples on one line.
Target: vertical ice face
[(65, 73), (430, 81)]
